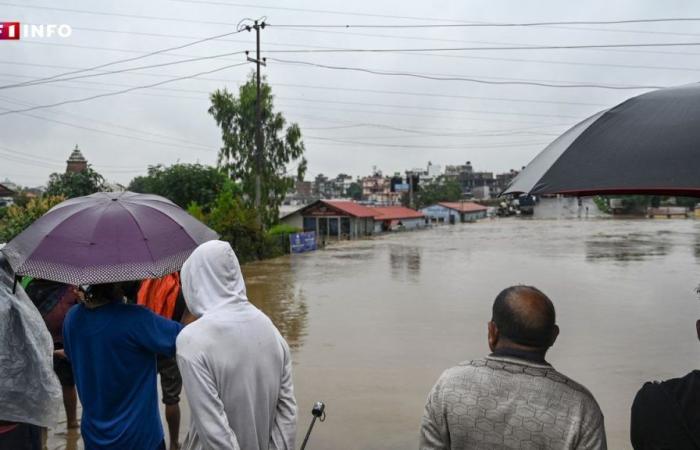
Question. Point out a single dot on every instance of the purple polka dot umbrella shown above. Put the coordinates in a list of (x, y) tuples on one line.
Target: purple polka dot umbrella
[(107, 237)]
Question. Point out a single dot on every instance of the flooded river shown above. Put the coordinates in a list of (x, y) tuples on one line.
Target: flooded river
[(373, 323)]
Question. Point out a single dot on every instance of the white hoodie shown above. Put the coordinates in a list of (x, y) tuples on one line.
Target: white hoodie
[(235, 365)]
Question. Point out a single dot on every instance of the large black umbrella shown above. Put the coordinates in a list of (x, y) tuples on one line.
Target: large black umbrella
[(649, 144)]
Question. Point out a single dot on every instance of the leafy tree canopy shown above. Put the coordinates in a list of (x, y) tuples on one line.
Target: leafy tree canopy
[(283, 146), (355, 191), (75, 184), (449, 191), (183, 184)]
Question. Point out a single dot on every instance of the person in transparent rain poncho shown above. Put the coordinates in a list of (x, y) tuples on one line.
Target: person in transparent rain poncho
[(30, 393)]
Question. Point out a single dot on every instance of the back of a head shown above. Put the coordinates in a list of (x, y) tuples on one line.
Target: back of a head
[(212, 276), (525, 316)]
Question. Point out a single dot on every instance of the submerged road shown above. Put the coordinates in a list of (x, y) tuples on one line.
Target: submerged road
[(373, 323)]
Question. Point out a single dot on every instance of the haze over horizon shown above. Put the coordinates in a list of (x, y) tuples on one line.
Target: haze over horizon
[(351, 120)]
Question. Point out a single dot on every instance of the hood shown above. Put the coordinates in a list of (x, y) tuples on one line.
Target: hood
[(211, 277)]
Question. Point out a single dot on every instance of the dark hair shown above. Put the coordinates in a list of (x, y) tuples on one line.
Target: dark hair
[(99, 294), (521, 320)]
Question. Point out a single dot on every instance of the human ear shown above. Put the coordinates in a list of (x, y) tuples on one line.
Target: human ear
[(555, 334), (493, 335)]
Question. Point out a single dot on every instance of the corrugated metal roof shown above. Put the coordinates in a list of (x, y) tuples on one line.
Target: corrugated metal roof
[(351, 208), (464, 206), (396, 213)]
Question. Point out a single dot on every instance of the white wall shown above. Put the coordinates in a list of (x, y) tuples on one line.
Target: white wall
[(565, 208)]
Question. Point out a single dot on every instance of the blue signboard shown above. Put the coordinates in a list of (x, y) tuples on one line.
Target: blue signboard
[(405, 187), (302, 242)]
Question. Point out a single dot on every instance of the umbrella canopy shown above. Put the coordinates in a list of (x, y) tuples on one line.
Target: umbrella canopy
[(649, 144), (107, 237)]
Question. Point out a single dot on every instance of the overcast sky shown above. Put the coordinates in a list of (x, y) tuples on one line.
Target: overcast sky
[(351, 121)]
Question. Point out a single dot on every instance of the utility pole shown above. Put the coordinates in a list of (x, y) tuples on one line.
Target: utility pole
[(259, 140)]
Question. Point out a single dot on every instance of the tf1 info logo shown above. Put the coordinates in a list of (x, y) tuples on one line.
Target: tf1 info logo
[(14, 30)]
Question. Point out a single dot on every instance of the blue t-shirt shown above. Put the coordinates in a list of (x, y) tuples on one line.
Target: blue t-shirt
[(113, 350)]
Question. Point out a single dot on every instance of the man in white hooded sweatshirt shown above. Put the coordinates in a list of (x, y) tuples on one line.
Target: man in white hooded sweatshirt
[(236, 367)]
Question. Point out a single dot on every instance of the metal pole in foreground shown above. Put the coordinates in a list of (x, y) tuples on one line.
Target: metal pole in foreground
[(319, 412)]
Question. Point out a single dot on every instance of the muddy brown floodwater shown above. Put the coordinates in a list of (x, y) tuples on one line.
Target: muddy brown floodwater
[(373, 323)]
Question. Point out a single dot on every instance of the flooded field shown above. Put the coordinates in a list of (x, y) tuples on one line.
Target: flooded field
[(373, 323)]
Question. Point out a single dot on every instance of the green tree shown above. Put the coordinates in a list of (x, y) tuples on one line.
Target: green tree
[(75, 184), (355, 191), (17, 218), (183, 184), (234, 221), (283, 145), (447, 191)]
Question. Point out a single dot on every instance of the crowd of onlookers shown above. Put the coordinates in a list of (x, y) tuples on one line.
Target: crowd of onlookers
[(106, 344)]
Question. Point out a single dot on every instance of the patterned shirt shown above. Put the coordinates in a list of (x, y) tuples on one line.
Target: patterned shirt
[(509, 403)]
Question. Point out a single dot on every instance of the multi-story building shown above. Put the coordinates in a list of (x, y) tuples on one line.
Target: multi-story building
[(480, 179), (459, 173), (376, 189), (427, 176)]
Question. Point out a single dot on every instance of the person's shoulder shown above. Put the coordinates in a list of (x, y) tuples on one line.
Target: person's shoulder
[(575, 390), (652, 388), (191, 338), (692, 377), (73, 311), (462, 371)]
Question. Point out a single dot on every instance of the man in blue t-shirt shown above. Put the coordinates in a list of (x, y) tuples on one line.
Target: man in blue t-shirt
[(112, 347)]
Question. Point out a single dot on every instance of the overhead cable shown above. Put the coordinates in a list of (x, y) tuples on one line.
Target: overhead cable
[(128, 69), (124, 91), (456, 78), (121, 61)]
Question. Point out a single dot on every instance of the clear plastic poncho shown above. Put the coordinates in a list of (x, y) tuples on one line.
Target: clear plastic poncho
[(29, 389)]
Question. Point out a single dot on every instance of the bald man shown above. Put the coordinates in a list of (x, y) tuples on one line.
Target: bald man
[(513, 398)]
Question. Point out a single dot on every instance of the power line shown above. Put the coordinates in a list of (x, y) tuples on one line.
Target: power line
[(306, 100), (557, 82), (328, 88), (414, 146), (456, 78), (496, 24), (470, 57), (129, 69), (175, 19), (390, 36), (112, 14), (425, 108), (124, 91), (336, 12), (121, 61), (344, 110), (198, 147), (495, 48), (109, 124), (180, 36), (423, 134)]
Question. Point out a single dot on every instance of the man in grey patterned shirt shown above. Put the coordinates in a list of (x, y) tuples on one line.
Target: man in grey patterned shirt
[(513, 399)]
